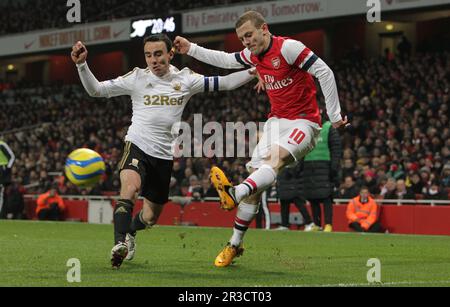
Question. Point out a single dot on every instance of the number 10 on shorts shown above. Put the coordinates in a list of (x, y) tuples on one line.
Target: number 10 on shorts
[(297, 136)]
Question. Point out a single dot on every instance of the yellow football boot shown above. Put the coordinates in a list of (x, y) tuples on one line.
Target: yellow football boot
[(226, 256), (328, 228), (224, 188)]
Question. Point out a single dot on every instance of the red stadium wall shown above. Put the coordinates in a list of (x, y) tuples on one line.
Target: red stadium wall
[(414, 219), (232, 43), (107, 65), (104, 66), (62, 68), (75, 209)]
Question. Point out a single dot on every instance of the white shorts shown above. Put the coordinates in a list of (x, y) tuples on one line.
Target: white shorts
[(297, 136)]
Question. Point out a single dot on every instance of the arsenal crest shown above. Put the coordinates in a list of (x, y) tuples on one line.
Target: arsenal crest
[(276, 62)]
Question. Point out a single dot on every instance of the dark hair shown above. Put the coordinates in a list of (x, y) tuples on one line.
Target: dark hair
[(364, 187), (256, 18), (159, 38)]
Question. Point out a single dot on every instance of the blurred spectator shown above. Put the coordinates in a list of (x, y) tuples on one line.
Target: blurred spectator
[(395, 171), (174, 188), (14, 202), (7, 159), (400, 192), (416, 184), (195, 189), (389, 188), (445, 176), (321, 175), (349, 189), (207, 189), (425, 176), (177, 171), (50, 206), (404, 47), (436, 192), (362, 213), (348, 168), (290, 190), (370, 182)]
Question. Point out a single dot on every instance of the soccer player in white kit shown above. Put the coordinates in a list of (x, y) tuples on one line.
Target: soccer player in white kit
[(159, 94), (286, 67)]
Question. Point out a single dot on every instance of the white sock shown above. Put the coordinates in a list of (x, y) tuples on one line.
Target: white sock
[(258, 181), (244, 216)]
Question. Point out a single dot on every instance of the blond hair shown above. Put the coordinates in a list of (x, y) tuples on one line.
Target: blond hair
[(256, 18)]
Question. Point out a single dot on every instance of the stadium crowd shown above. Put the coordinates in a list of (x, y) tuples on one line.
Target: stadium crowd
[(30, 15), (398, 145)]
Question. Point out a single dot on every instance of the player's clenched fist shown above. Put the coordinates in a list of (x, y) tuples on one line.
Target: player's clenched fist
[(79, 53), (260, 86), (181, 45), (342, 124)]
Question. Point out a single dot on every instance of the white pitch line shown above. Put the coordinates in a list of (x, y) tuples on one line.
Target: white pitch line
[(382, 284)]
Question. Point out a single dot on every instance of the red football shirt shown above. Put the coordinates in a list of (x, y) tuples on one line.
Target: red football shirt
[(283, 67), (287, 68)]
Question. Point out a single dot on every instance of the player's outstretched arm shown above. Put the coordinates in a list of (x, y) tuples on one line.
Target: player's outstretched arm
[(90, 83), (212, 57), (296, 53), (329, 89), (235, 80), (123, 85)]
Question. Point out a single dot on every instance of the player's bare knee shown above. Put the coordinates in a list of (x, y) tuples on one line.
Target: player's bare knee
[(277, 164), (279, 158), (151, 212), (149, 217), (129, 190), (150, 221)]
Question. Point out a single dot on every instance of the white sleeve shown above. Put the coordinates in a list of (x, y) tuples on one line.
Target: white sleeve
[(221, 59), (200, 83), (297, 54), (329, 89), (197, 82), (123, 85), (235, 80)]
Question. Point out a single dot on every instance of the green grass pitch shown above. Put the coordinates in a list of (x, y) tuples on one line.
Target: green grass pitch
[(36, 254)]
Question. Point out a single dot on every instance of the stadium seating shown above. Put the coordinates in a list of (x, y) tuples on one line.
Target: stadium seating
[(64, 117), (17, 16)]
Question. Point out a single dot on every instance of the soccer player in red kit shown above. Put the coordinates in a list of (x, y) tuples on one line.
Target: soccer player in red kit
[(286, 67)]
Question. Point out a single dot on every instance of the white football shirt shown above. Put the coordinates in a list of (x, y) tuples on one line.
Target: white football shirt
[(157, 104)]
